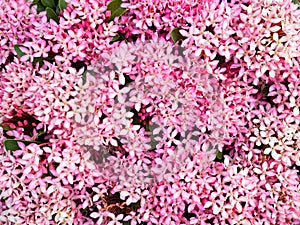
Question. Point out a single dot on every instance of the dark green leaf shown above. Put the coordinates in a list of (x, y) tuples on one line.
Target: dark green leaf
[(41, 60), (118, 37), (176, 35), (84, 77), (12, 144), (147, 126), (116, 10), (239, 169), (40, 133), (91, 72), (117, 13), (37, 59), (114, 5), (219, 155), (6, 128), (51, 14), (62, 4), (297, 3), (265, 89), (40, 7), (34, 2), (48, 3), (18, 50)]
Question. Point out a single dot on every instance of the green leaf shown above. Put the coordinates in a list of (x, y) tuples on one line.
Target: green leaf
[(117, 13), (37, 59), (41, 59), (84, 76), (265, 91), (219, 155), (147, 126), (297, 3), (40, 7), (40, 133), (18, 50), (51, 14), (118, 37), (114, 5), (12, 144), (116, 10), (62, 4), (34, 2), (176, 35), (6, 128), (48, 3)]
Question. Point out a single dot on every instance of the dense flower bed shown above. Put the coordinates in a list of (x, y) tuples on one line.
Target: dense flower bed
[(149, 112)]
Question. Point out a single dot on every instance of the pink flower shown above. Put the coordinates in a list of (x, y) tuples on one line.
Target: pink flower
[(115, 219), (227, 49)]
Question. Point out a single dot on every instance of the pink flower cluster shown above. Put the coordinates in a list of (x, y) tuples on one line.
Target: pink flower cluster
[(104, 120)]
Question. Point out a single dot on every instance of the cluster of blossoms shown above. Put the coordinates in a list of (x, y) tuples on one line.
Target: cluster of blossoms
[(105, 120)]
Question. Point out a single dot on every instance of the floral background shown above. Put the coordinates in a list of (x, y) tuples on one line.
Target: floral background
[(149, 112)]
